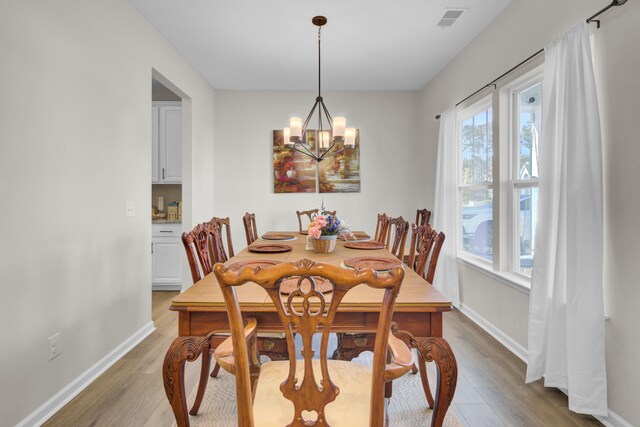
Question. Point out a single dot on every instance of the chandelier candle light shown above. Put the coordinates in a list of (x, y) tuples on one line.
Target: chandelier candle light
[(337, 135)]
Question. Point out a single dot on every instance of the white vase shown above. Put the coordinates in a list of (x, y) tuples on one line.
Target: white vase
[(291, 173)]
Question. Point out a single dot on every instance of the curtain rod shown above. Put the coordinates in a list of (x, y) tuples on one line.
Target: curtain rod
[(494, 81)]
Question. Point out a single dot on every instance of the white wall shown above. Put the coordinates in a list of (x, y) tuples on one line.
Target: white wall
[(390, 156), (76, 143), (523, 28)]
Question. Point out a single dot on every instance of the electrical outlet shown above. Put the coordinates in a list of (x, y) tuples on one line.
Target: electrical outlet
[(129, 208), (54, 346)]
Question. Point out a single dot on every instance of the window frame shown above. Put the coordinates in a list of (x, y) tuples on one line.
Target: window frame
[(472, 109), (506, 183), (528, 80)]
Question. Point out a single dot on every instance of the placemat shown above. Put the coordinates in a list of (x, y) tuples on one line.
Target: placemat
[(269, 248), (278, 236), (376, 263), (369, 245)]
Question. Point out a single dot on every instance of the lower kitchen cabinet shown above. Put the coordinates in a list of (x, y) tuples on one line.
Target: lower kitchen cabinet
[(167, 250)]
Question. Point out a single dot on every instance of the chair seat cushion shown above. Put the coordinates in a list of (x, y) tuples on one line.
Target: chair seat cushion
[(350, 409)]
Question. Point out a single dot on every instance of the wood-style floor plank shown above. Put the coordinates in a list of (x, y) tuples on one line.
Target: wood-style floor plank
[(491, 389)]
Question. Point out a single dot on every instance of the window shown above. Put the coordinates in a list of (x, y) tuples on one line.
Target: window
[(476, 180), (526, 125), (497, 208)]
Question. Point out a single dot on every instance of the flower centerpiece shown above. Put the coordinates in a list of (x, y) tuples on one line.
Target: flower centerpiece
[(324, 231)]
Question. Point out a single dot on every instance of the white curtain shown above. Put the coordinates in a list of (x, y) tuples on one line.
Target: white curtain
[(566, 313), (445, 209)]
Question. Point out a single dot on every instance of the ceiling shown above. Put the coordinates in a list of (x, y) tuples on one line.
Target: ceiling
[(271, 45)]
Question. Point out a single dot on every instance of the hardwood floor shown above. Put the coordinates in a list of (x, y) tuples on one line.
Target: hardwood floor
[(491, 390)]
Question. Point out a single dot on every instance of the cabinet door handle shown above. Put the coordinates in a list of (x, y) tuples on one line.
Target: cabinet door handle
[(151, 247), (166, 231), (162, 173)]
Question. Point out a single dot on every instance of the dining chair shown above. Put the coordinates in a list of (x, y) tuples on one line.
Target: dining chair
[(397, 232), (226, 224), (423, 216), (426, 244), (311, 214), (202, 253), (204, 248), (382, 226), (250, 230), (311, 391), (332, 213)]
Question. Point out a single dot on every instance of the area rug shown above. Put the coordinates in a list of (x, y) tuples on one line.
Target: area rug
[(407, 407)]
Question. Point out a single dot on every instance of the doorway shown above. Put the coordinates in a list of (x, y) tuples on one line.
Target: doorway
[(166, 187)]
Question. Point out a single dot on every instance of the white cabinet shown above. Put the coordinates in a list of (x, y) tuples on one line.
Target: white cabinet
[(167, 252), (167, 142), (155, 129)]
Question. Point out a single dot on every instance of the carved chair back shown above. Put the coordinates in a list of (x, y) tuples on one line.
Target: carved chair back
[(382, 227), (202, 249), (310, 214), (226, 224), (306, 312), (250, 230), (423, 216), (332, 213), (397, 232), (426, 244)]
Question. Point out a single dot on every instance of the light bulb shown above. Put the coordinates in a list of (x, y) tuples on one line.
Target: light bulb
[(338, 128), (324, 139), (287, 137), (350, 137), (295, 128)]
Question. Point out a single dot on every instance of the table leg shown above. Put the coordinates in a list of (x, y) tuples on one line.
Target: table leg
[(181, 350), (437, 350)]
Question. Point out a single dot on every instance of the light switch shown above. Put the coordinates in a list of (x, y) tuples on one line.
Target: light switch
[(130, 208)]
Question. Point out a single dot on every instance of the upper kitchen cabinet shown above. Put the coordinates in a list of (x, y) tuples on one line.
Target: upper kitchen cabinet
[(167, 143)]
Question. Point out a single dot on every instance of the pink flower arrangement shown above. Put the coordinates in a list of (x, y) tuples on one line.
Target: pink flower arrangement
[(324, 225)]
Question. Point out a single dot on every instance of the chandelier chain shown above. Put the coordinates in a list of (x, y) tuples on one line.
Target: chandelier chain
[(319, 65)]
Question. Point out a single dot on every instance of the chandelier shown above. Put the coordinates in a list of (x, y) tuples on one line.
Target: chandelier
[(330, 133)]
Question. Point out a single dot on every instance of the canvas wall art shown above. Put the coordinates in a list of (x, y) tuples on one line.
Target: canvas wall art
[(294, 172), (340, 173)]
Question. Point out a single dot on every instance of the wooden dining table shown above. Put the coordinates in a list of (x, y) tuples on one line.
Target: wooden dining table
[(418, 314)]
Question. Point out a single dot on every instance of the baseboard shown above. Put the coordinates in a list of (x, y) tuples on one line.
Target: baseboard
[(166, 287), (53, 405), (496, 333), (612, 420)]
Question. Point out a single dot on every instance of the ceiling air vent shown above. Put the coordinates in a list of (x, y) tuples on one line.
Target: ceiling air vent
[(449, 17)]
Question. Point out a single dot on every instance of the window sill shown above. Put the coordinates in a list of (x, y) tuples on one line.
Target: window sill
[(511, 279)]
